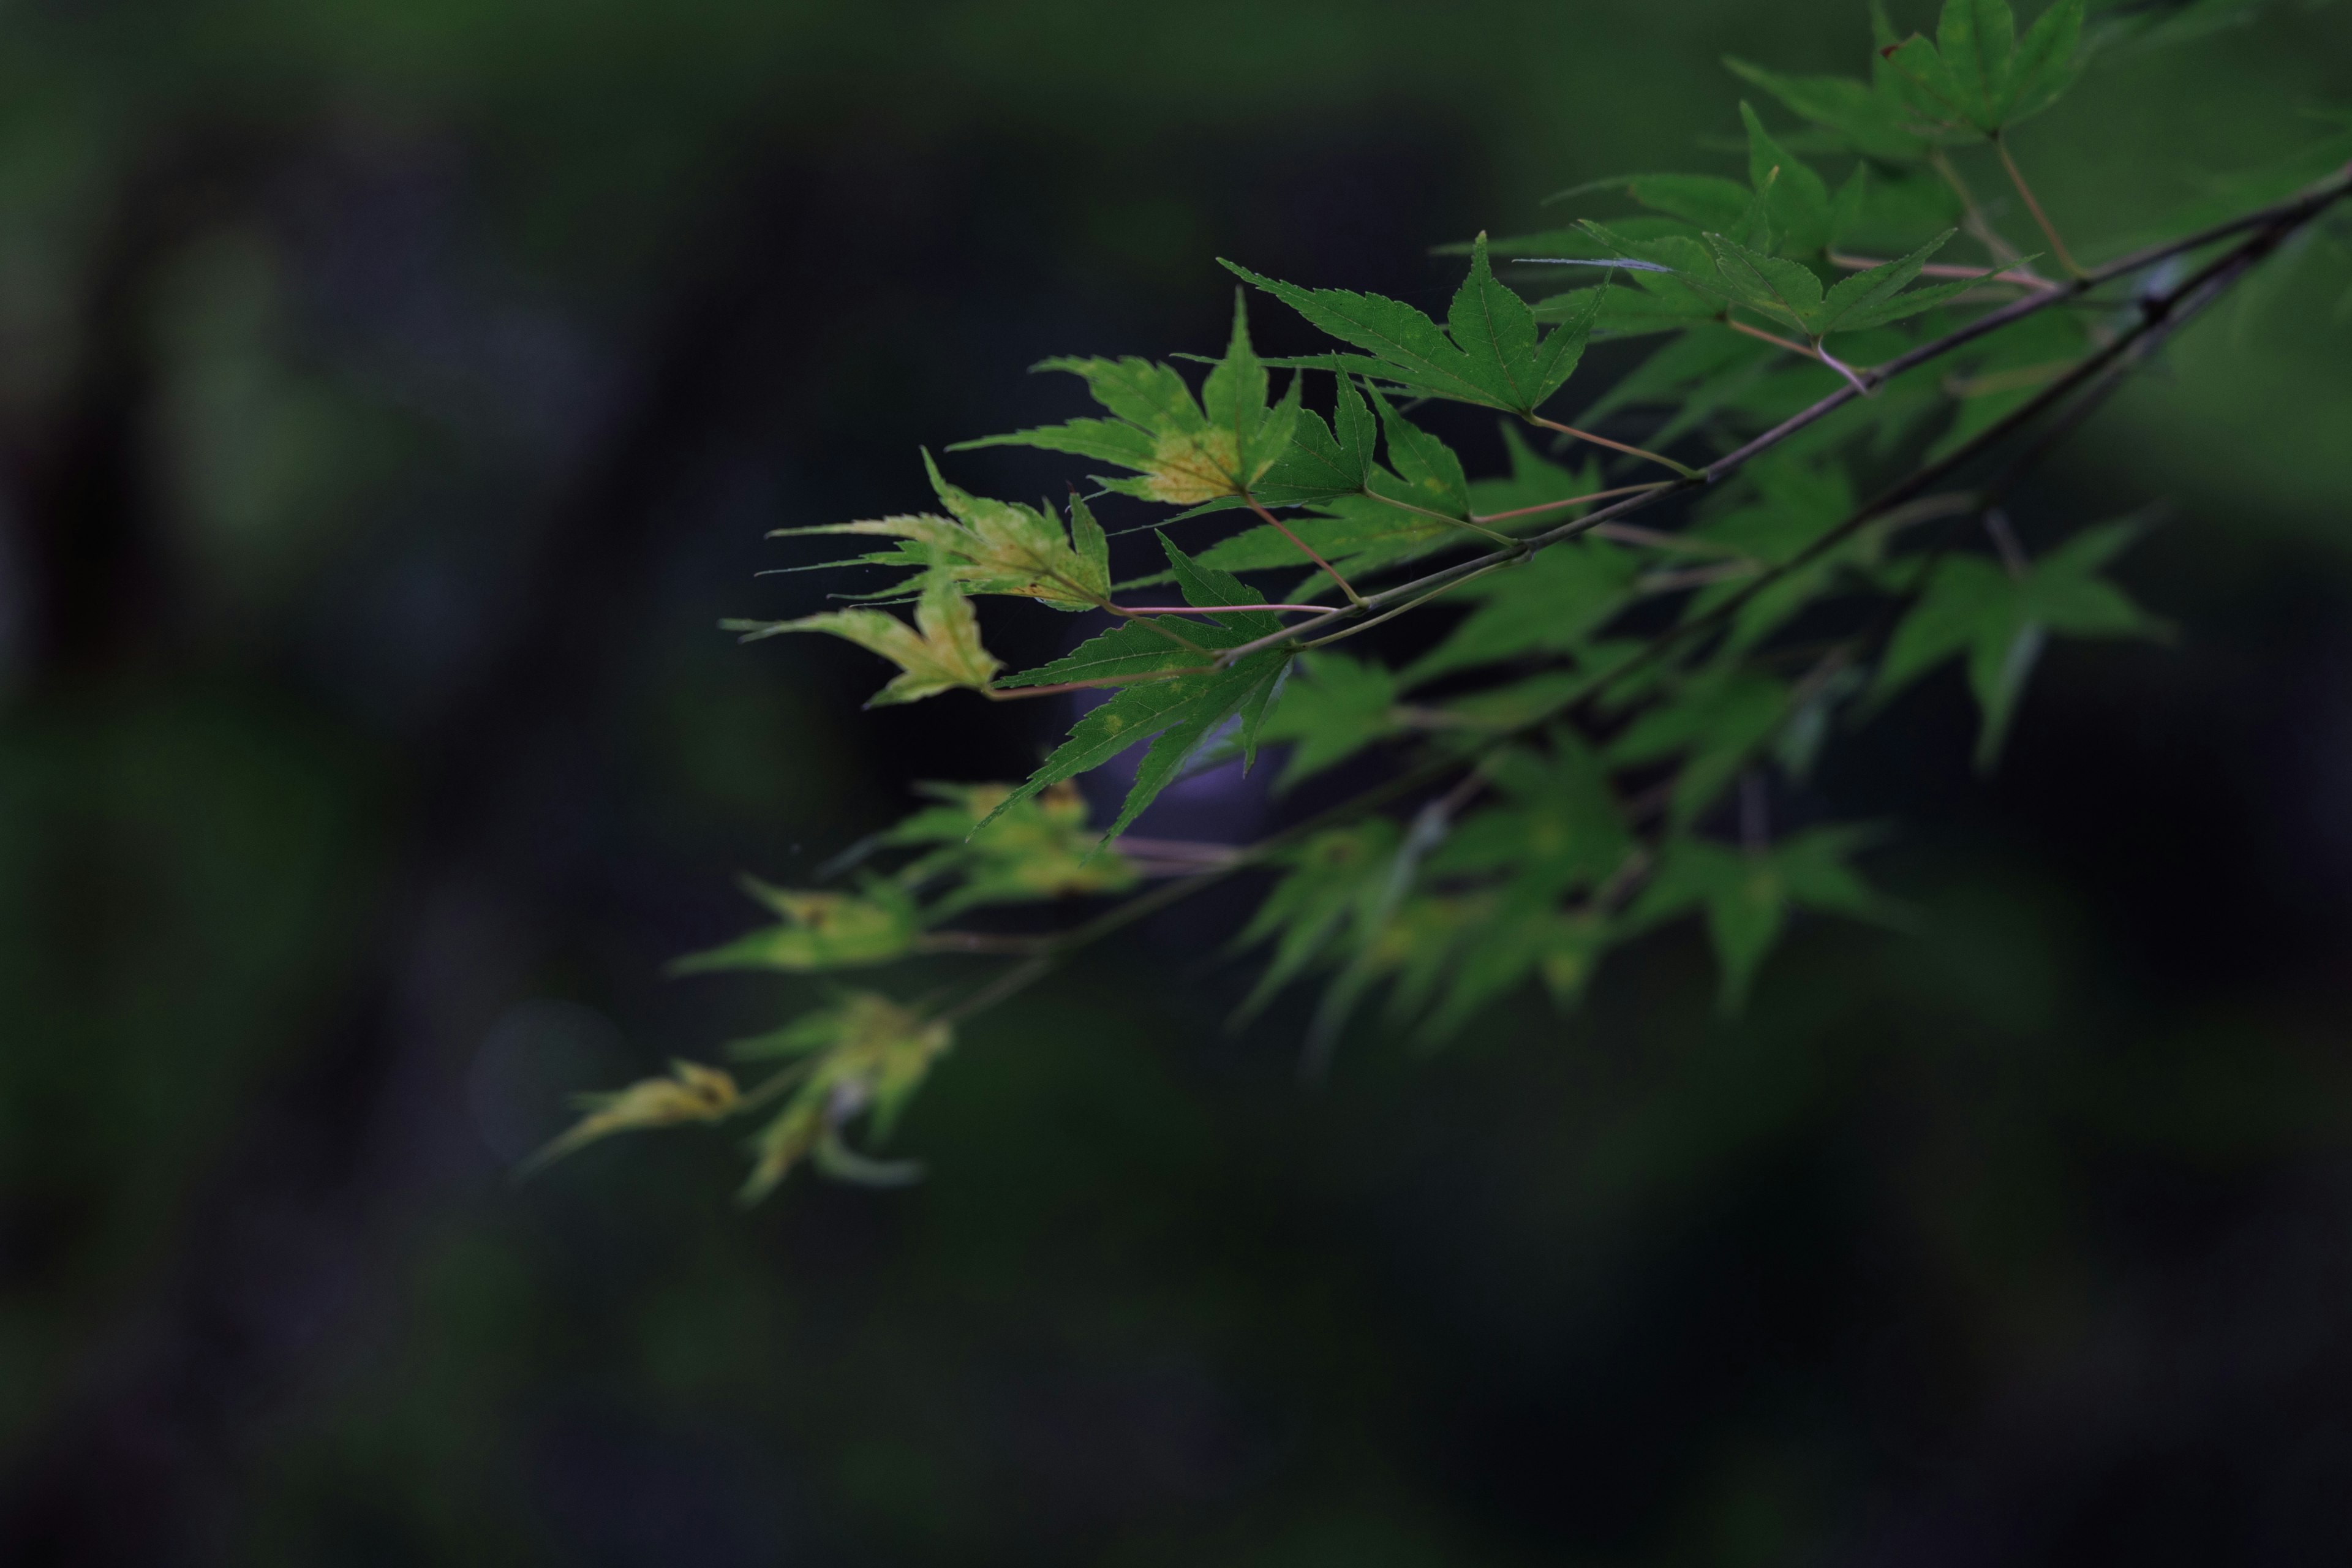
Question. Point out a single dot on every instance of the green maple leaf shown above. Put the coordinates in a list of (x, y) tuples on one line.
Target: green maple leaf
[(1534, 480), (1332, 707), (1323, 461), (1715, 723), (1978, 74), (1360, 527), (817, 930), (1876, 297), (1795, 504), (2047, 60), (1976, 39), (1519, 704), (1872, 117), (1786, 290), (1180, 451), (1039, 848), (1144, 645), (693, 1092), (1428, 474), (1559, 829), (1703, 201), (1550, 603), (1179, 714), (2012, 367), (1333, 879), (1658, 303), (1790, 292), (1501, 943), (1745, 894), (1492, 352), (1354, 533), (990, 547), (1795, 197), (866, 1056), (2001, 621), (1697, 370), (941, 652)]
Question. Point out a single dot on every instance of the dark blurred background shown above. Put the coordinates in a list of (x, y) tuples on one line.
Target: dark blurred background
[(395, 396)]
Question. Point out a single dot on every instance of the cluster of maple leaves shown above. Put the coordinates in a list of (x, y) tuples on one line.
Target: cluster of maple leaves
[(1589, 740)]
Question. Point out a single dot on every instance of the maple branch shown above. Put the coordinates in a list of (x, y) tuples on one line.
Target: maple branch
[(2087, 385), (1408, 605), (2277, 220)]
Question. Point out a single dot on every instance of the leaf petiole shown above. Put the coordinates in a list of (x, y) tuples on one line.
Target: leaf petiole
[(1306, 549), (1471, 524), (1973, 217), (1198, 610), (2025, 276), (1687, 473), (1571, 501), (1013, 693), (2048, 230)]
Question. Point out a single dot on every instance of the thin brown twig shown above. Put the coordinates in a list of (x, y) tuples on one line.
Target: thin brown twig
[(1192, 849), (1306, 549), (977, 941), (1659, 539), (2015, 379), (1571, 501), (1204, 610), (1972, 216), (1472, 523), (2049, 229), (1605, 441), (1014, 693), (1791, 344), (1810, 350), (2023, 275), (1699, 576)]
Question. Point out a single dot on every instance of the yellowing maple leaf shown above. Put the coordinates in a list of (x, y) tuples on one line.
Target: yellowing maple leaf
[(692, 1094), (992, 547), (819, 930), (941, 652), (867, 1054)]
